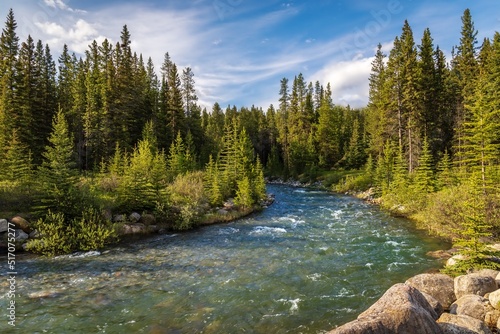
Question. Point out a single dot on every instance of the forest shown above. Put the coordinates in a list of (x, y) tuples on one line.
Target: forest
[(106, 131)]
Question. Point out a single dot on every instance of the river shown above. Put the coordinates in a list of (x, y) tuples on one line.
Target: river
[(310, 262)]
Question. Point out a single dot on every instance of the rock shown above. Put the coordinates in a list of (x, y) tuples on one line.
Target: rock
[(491, 318), (434, 303), (494, 298), (148, 219), (21, 236), (21, 223), (106, 213), (488, 272), (119, 218), (439, 286), (454, 260), (4, 225), (136, 228), (439, 254), (34, 234), (222, 212), (472, 305), (229, 204), (134, 217), (474, 284), (402, 309), (43, 294), (461, 324)]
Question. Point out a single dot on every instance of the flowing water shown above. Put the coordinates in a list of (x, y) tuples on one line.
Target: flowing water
[(308, 263)]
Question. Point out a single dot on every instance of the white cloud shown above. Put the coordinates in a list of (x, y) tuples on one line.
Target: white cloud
[(348, 79), (59, 4)]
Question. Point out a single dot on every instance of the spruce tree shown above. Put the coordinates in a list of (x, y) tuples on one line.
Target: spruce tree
[(58, 174)]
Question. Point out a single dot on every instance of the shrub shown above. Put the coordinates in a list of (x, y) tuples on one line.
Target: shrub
[(186, 194), (55, 236)]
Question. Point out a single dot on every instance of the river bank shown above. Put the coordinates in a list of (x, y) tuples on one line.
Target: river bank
[(17, 231)]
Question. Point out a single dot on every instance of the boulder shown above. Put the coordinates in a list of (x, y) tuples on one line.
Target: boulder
[(494, 298), (4, 225), (222, 212), (474, 284), (136, 228), (22, 224), (402, 309), (21, 236), (454, 260), (147, 219), (434, 303), (472, 305), (491, 318), (119, 218), (488, 272), (439, 286), (461, 324), (134, 217)]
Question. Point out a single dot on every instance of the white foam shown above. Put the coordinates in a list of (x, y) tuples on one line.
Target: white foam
[(228, 230), (294, 302), (266, 230)]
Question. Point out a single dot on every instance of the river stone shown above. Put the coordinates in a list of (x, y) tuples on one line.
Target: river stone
[(134, 217), (439, 286), (454, 260), (148, 219), (491, 318), (4, 225), (20, 235), (434, 303), (136, 228), (474, 284), (21, 223), (119, 218), (494, 298), (488, 272), (472, 305), (462, 324), (402, 309)]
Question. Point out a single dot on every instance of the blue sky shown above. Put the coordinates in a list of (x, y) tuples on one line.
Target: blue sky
[(240, 49)]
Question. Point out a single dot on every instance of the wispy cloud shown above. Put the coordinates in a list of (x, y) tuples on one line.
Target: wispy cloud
[(61, 5)]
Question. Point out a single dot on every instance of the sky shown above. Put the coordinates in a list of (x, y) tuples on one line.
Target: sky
[(239, 50)]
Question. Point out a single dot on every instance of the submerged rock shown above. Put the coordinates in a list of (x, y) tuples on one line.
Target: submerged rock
[(402, 309)]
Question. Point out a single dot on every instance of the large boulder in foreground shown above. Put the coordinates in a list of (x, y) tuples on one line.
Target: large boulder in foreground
[(439, 286), (461, 324), (402, 309), (474, 284)]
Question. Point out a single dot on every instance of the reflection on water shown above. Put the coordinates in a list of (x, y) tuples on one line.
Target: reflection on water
[(306, 264)]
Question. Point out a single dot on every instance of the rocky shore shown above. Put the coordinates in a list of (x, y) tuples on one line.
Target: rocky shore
[(434, 304), (18, 230)]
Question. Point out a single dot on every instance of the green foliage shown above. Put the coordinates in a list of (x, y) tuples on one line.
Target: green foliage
[(187, 195), (244, 196), (57, 235)]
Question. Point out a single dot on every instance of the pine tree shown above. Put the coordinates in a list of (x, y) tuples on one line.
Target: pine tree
[(378, 122), (58, 173), (244, 196), (9, 80), (424, 174), (212, 183)]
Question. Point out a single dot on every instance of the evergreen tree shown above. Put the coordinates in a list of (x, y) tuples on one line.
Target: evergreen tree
[(9, 79), (58, 173), (424, 175)]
